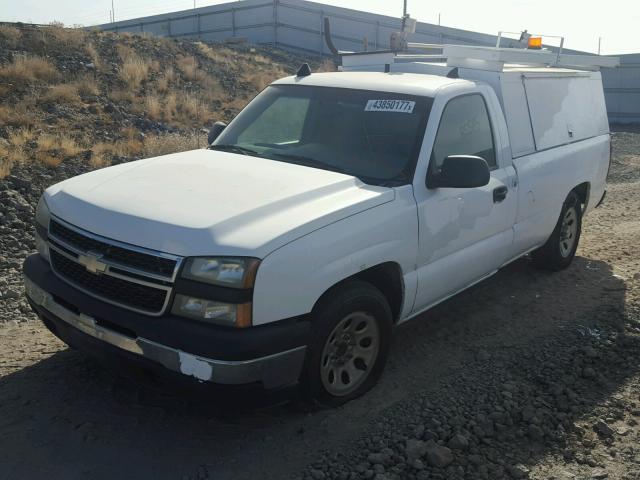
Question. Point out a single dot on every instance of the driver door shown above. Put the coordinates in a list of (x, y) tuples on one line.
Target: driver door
[(464, 232)]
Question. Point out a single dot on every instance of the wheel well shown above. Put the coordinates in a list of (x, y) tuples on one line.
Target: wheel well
[(386, 277), (583, 192)]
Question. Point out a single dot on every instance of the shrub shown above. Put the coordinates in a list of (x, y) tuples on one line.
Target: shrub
[(153, 107), (189, 67), (164, 144), (10, 35), (53, 149), (69, 37), (62, 93), (134, 71), (29, 69), (87, 86)]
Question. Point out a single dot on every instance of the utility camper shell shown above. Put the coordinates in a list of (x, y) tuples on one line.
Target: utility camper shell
[(544, 106)]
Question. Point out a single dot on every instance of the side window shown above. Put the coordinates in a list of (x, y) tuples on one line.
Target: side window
[(464, 129), (280, 122)]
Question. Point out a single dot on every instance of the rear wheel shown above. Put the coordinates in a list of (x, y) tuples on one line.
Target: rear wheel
[(350, 341), (558, 252)]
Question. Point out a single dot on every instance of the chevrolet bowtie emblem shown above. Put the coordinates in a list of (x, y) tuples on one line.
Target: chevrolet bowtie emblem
[(91, 261)]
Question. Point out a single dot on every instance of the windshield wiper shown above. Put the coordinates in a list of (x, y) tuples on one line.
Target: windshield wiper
[(307, 162), (234, 149)]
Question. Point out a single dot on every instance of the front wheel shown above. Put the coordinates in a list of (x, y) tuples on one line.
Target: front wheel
[(350, 340), (558, 252)]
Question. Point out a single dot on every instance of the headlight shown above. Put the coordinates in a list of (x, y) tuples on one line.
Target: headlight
[(234, 272), (210, 311), (42, 227)]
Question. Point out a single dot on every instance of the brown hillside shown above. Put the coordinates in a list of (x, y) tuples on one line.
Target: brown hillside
[(69, 94)]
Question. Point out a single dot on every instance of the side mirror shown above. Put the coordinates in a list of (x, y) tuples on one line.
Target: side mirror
[(215, 131), (461, 171)]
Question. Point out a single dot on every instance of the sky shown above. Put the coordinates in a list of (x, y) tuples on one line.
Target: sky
[(617, 22)]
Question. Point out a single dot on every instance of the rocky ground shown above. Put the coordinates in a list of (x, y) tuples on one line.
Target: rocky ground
[(528, 375)]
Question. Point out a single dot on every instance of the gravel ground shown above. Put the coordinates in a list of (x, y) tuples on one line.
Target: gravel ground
[(527, 375)]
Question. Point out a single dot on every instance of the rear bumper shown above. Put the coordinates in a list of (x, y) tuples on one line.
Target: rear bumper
[(87, 324)]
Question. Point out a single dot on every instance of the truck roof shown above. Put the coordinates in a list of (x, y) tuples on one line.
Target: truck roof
[(396, 82)]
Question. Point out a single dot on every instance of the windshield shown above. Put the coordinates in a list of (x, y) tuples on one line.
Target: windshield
[(375, 136)]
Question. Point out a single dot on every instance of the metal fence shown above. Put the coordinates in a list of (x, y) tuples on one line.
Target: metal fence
[(298, 25)]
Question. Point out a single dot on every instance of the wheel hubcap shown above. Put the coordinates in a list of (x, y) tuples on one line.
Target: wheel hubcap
[(349, 353), (568, 232)]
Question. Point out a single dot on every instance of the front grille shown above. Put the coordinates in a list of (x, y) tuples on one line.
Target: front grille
[(130, 294), (131, 258)]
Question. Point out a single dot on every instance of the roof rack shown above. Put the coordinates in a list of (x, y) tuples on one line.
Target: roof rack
[(495, 58)]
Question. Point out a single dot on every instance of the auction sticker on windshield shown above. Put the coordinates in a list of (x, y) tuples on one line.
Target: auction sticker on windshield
[(398, 106)]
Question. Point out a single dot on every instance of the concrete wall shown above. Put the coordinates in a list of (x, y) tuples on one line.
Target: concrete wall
[(622, 90), (298, 25)]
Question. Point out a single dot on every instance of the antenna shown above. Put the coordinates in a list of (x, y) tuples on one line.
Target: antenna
[(304, 70)]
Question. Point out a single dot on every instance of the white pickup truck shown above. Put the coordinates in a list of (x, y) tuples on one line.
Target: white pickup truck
[(334, 207)]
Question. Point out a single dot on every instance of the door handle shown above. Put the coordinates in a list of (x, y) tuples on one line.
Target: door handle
[(500, 193)]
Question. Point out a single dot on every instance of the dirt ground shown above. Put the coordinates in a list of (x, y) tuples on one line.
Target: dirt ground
[(63, 416)]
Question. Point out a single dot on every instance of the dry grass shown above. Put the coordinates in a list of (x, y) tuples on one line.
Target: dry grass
[(10, 35), (18, 143), (14, 150), (22, 115), (87, 86), (167, 79), (260, 80), (65, 93), (122, 96), (164, 144), (211, 90), (135, 69), (218, 54), (69, 37), (188, 65), (53, 149), (91, 50), (28, 69), (170, 107), (153, 107), (327, 66)]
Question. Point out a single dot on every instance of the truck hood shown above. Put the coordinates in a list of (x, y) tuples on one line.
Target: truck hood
[(207, 202)]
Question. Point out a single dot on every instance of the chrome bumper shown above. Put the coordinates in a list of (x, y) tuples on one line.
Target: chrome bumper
[(272, 371)]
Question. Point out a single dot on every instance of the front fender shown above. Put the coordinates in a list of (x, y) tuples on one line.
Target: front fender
[(292, 278)]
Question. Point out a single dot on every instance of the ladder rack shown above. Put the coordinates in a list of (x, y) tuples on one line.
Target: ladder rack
[(492, 58)]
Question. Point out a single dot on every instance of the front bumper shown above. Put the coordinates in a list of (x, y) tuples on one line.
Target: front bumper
[(85, 319)]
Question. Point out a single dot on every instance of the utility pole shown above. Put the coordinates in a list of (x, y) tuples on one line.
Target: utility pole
[(599, 44), (439, 18), (404, 15), (113, 12)]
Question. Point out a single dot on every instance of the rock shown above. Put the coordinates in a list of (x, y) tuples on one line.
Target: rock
[(601, 428), (458, 442), (317, 474), (9, 294), (588, 372), (415, 449), (376, 458), (535, 433), (518, 471), (437, 455)]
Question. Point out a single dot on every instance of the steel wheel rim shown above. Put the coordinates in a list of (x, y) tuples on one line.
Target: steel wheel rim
[(568, 232), (349, 353)]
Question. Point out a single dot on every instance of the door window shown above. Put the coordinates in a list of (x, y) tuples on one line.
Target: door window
[(464, 129)]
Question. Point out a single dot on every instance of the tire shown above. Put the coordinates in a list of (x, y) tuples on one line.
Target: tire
[(339, 368), (558, 252)]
